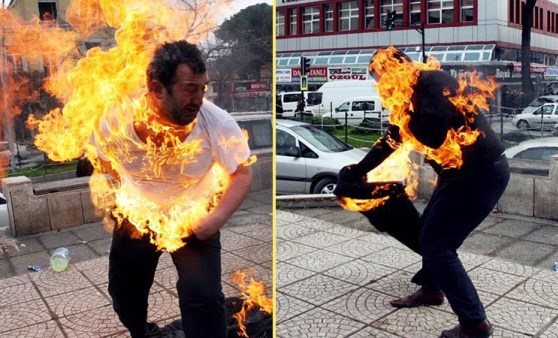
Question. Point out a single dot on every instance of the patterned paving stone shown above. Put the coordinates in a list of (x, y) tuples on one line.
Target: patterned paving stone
[(359, 272), (317, 224), (509, 267), (95, 270), (232, 241), (287, 250), (318, 289), (471, 260), (231, 262), (318, 323), (256, 272), (51, 283), (284, 217), (293, 231), (25, 246), (420, 322), (95, 323), (503, 333), (75, 302), (494, 281), (552, 331), (369, 331), (537, 291), (520, 317), (260, 231), (41, 330), (320, 239), (346, 232), (355, 248), (165, 261), (318, 261), (288, 274), (393, 257), (167, 278), (288, 307), (17, 290), (381, 239), (20, 315), (162, 305), (258, 253), (362, 304), (397, 284), (486, 298)]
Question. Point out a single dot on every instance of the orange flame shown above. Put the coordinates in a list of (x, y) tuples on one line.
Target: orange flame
[(108, 85), (253, 294), (395, 88)]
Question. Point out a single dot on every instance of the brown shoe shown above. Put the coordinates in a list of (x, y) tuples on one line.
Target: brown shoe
[(419, 298), (483, 330)]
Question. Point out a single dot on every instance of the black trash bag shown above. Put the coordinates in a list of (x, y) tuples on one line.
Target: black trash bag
[(258, 323)]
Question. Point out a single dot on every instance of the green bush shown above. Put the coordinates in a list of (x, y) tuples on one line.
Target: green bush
[(516, 136)]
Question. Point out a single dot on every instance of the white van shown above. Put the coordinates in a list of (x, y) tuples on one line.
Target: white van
[(289, 101), (358, 109), (336, 92)]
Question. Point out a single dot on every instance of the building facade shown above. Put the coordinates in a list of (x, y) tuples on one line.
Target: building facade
[(340, 36)]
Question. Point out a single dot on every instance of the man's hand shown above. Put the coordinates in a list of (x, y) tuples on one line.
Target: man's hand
[(238, 188)]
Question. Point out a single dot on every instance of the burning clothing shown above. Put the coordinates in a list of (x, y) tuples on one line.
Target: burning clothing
[(462, 198), (170, 176)]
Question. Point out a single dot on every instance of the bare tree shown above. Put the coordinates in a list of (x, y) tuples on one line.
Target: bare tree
[(527, 83)]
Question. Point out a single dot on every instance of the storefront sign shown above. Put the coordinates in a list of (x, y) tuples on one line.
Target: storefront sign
[(347, 73), (315, 74), (283, 75)]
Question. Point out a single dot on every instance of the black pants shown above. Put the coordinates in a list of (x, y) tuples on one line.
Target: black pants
[(458, 205), (132, 264)]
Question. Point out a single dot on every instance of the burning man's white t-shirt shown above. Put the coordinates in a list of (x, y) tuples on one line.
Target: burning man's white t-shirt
[(184, 174)]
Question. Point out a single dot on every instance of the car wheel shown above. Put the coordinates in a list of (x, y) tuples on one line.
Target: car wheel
[(325, 186), (522, 124)]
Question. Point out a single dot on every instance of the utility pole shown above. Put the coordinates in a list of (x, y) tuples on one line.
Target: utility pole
[(389, 23)]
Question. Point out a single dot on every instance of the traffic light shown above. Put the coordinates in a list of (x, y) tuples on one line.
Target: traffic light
[(390, 19), (304, 65)]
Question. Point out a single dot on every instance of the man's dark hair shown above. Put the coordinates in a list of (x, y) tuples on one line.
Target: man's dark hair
[(168, 56)]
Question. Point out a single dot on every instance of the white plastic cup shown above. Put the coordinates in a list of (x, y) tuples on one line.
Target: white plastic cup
[(60, 259)]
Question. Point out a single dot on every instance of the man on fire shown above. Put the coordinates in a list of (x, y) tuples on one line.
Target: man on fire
[(167, 159), (465, 192)]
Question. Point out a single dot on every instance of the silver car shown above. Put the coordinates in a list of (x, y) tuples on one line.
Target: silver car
[(308, 158), (544, 117)]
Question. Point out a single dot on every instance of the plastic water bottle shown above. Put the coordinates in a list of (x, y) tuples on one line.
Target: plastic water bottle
[(60, 259)]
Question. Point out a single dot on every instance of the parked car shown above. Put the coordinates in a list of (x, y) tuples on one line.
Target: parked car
[(4, 220), (358, 109), (308, 158), (539, 102), (544, 117), (539, 149)]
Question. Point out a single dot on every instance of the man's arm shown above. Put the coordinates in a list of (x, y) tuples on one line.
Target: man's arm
[(236, 192)]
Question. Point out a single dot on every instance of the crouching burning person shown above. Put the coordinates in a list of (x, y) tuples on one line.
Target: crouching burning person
[(434, 113), (182, 170)]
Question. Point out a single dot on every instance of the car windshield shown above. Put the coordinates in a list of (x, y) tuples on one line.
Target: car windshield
[(314, 98), (321, 140), (540, 101)]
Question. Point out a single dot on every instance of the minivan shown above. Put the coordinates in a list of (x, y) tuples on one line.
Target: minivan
[(360, 108)]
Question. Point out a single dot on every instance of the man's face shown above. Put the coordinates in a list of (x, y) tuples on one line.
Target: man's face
[(182, 103)]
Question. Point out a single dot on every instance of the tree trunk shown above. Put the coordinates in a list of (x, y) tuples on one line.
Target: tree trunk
[(527, 83)]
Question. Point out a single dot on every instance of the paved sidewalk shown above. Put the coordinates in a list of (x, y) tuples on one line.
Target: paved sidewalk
[(336, 281), (75, 303)]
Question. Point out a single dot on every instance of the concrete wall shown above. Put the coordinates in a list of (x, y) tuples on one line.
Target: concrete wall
[(526, 195), (35, 207)]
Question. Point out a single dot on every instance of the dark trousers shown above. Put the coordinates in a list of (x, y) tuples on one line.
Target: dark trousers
[(458, 205), (132, 264)]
